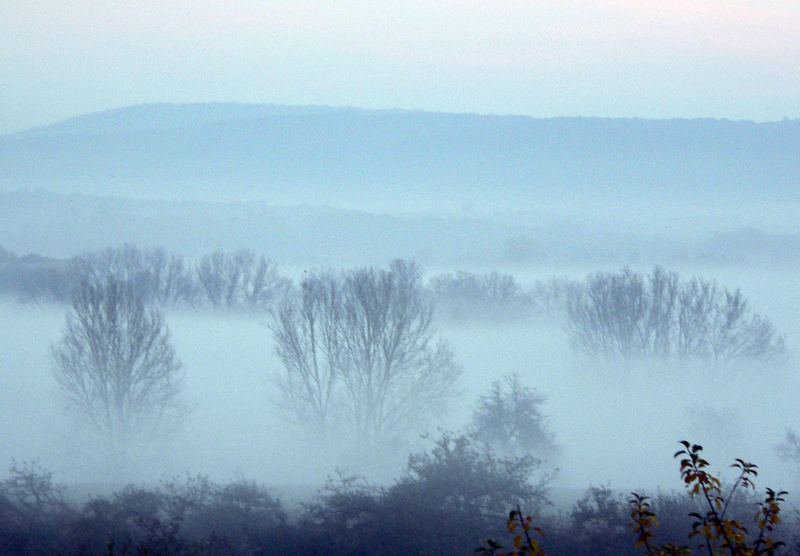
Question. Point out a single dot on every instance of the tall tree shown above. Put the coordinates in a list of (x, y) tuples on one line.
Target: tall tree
[(361, 347), (307, 330), (116, 365)]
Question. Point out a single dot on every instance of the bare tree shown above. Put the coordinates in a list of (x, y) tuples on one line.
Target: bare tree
[(508, 421), (466, 295), (629, 314), (737, 334), (169, 277), (211, 278), (116, 366), (307, 339), (262, 286), (396, 370), (240, 280), (155, 275), (789, 449), (606, 315), (551, 297), (696, 307), (364, 344), (657, 330)]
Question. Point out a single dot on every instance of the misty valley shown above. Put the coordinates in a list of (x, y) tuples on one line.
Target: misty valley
[(285, 395), (256, 329)]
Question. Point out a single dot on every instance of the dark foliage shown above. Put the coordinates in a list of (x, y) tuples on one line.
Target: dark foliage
[(449, 499), (34, 513), (191, 517)]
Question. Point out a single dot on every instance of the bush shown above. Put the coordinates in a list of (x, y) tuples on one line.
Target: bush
[(33, 511), (194, 516), (716, 521), (447, 501)]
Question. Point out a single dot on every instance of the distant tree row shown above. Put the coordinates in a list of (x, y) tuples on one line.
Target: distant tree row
[(624, 314), (498, 296), (495, 295), (232, 281), (34, 278), (630, 314), (243, 281)]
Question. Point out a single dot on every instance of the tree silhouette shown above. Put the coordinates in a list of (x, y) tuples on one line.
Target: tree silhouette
[(116, 366)]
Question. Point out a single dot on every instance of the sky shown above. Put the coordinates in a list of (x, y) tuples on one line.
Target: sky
[(737, 59)]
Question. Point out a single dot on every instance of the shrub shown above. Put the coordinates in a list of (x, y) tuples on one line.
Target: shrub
[(714, 531), (190, 517), (714, 527), (448, 499), (33, 511)]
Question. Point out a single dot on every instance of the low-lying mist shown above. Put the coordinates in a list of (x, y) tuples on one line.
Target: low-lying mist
[(612, 420)]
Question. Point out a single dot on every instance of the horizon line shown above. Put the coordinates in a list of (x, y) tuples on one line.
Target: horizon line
[(354, 108)]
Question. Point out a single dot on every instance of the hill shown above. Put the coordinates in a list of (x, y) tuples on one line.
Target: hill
[(399, 160)]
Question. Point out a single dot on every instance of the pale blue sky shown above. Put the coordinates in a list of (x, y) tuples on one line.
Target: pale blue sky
[(669, 58)]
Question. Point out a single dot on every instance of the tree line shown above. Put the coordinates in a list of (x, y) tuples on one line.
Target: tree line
[(236, 281), (624, 314)]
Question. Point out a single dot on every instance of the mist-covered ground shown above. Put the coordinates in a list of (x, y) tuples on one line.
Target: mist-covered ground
[(614, 423)]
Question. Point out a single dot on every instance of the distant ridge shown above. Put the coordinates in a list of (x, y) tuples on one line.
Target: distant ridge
[(167, 115), (157, 115), (396, 158), (161, 116)]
